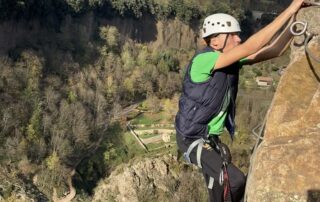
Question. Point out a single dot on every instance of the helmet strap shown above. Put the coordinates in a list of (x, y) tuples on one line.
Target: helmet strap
[(224, 44)]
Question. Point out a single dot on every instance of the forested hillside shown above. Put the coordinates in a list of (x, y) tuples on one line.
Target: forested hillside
[(65, 74)]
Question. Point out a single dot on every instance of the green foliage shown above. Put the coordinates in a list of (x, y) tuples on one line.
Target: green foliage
[(115, 154), (48, 179), (52, 12), (257, 71), (131, 7), (142, 119), (111, 36), (96, 3), (153, 104), (148, 135), (34, 127), (76, 5), (161, 10), (72, 97), (33, 65), (53, 161), (144, 57), (127, 57), (185, 10), (167, 62), (275, 68)]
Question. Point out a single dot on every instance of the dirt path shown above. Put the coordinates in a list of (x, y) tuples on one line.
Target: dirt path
[(72, 191)]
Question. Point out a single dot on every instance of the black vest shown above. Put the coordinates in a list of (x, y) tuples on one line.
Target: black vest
[(201, 102)]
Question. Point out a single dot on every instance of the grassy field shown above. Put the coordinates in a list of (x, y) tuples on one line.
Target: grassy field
[(148, 135), (149, 118)]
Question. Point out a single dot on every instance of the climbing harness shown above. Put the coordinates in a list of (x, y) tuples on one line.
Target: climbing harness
[(199, 144), (223, 177), (308, 38)]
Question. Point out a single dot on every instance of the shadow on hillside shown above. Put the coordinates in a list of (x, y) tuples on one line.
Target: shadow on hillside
[(100, 163), (313, 195)]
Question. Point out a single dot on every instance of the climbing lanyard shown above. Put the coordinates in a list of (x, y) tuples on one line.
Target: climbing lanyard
[(307, 39), (226, 187), (224, 176)]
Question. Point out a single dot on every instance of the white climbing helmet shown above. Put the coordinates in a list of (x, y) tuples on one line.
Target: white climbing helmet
[(219, 23)]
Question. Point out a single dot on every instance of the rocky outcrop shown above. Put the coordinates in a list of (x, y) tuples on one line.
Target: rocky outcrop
[(285, 166), (14, 187), (152, 179)]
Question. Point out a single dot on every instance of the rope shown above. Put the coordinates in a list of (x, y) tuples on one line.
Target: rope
[(308, 38)]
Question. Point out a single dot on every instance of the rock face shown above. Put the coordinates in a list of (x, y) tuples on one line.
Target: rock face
[(152, 179), (285, 166), (159, 34)]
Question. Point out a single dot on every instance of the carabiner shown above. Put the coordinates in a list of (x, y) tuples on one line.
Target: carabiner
[(295, 33)]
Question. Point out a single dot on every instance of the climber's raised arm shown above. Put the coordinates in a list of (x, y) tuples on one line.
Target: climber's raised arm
[(275, 48), (256, 41)]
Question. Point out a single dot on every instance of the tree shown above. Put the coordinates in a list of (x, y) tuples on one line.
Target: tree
[(144, 57), (34, 66), (111, 36), (34, 127), (53, 161), (134, 8), (185, 10), (153, 104), (76, 5), (127, 58)]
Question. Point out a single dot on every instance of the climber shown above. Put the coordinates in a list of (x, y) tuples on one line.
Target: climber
[(207, 103)]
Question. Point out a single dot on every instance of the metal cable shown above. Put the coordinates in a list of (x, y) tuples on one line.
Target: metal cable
[(307, 50), (258, 141)]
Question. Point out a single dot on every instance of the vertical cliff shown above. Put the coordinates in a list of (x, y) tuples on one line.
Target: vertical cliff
[(285, 166)]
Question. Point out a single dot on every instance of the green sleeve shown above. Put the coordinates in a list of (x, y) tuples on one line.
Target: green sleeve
[(202, 66), (243, 61)]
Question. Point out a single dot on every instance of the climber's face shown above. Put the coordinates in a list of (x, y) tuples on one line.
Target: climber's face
[(233, 41), (225, 41)]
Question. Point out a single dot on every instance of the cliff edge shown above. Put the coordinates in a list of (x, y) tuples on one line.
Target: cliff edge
[(285, 166)]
